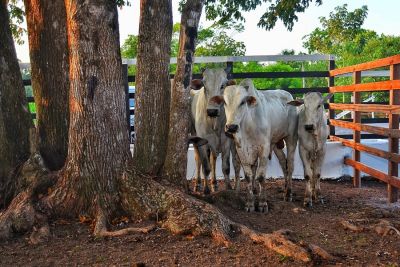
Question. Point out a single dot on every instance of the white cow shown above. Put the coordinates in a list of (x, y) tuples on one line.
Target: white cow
[(209, 121), (313, 132), (260, 121)]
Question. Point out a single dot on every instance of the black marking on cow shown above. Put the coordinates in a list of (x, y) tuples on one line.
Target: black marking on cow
[(280, 144), (191, 33), (307, 177), (92, 84)]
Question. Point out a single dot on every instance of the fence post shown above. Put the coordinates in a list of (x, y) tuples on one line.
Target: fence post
[(229, 67), (393, 169), (331, 83), (356, 134), (126, 87)]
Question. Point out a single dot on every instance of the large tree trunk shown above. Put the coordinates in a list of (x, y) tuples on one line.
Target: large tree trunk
[(15, 119), (175, 163), (153, 85), (48, 47), (98, 147)]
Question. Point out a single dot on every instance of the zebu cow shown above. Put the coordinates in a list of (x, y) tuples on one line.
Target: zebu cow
[(209, 121), (260, 121), (313, 132)]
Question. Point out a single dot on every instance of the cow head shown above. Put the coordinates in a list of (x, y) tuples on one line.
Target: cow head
[(313, 109), (214, 82), (237, 100)]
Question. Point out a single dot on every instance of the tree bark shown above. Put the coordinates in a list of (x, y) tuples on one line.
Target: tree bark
[(48, 47), (175, 163), (98, 147), (153, 86), (15, 119)]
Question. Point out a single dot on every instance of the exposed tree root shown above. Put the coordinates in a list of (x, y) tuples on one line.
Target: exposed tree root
[(143, 197), (382, 227)]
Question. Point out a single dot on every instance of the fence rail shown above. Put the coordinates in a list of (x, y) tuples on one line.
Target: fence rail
[(392, 132)]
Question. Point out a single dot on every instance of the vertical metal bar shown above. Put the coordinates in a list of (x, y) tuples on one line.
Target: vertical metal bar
[(356, 134), (331, 83), (393, 167), (229, 67), (126, 87)]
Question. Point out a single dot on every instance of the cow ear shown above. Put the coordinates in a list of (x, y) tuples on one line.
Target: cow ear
[(231, 82), (327, 97), (296, 102), (251, 100), (216, 100), (247, 83), (196, 84)]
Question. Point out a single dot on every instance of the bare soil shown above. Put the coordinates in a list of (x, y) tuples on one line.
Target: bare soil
[(72, 244)]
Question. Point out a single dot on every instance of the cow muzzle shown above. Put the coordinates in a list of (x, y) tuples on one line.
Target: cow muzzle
[(231, 128), (309, 127), (213, 112)]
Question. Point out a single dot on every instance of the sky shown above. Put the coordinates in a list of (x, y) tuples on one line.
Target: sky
[(383, 17)]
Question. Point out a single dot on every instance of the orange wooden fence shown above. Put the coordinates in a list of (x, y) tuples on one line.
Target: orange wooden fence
[(392, 131)]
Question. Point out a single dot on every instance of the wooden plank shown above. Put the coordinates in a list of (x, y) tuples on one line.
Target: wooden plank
[(331, 83), (356, 134), (383, 62), (367, 128), (392, 180), (363, 136), (370, 150), (367, 87), (394, 99), (389, 109)]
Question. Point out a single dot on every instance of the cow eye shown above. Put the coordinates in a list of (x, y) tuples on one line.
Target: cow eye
[(319, 106), (242, 103)]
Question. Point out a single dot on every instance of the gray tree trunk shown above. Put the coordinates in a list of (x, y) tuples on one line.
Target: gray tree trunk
[(15, 119), (175, 164), (153, 86), (48, 47)]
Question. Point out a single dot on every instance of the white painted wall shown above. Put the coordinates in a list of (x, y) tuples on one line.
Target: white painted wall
[(333, 166)]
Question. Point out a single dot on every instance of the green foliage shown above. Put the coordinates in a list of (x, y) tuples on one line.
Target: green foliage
[(232, 10), (276, 83), (342, 34), (17, 16)]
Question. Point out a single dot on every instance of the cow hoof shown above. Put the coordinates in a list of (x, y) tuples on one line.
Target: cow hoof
[(206, 190), (197, 188), (250, 207), (322, 201), (307, 203), (288, 198), (263, 207), (214, 187)]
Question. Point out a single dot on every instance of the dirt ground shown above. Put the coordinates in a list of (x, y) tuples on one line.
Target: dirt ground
[(72, 244)]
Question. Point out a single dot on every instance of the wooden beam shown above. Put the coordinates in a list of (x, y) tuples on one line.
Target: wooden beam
[(356, 134), (370, 150), (367, 87), (368, 65), (367, 128), (394, 99), (392, 180), (389, 109)]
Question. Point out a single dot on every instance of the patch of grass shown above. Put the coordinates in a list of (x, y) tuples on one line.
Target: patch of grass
[(283, 258)]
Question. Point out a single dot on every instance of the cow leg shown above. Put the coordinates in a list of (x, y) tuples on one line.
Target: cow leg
[(225, 154), (317, 176), (197, 177), (213, 161), (291, 144), (203, 153), (248, 174), (262, 194), (236, 166), (308, 174), (283, 163)]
